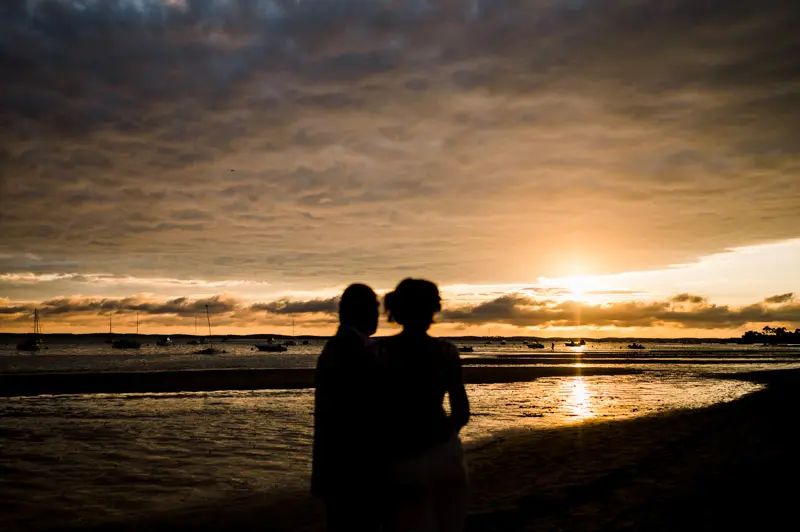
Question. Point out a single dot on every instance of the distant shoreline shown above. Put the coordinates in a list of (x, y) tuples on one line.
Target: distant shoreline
[(8, 336)]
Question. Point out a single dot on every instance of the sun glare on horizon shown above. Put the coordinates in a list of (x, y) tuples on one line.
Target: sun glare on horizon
[(579, 288)]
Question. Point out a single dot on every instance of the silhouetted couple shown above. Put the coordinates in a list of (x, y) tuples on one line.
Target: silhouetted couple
[(386, 454)]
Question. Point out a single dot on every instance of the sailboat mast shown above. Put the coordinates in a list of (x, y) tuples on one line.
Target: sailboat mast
[(208, 318), (35, 322), (137, 323)]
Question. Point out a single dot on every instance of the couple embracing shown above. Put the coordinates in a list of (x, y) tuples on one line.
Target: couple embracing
[(387, 456)]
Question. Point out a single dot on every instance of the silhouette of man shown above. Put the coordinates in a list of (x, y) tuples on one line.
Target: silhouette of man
[(345, 469)]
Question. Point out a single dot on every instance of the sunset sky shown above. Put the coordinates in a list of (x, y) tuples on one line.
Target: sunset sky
[(559, 167)]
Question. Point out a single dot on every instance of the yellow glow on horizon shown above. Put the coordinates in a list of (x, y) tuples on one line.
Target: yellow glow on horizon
[(580, 288)]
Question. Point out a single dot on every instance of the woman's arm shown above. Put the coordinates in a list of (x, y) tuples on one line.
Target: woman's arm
[(459, 402)]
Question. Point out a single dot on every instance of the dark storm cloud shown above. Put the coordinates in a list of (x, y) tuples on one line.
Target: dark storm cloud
[(227, 310), (522, 311), (288, 306), (270, 132), (179, 306), (7, 308)]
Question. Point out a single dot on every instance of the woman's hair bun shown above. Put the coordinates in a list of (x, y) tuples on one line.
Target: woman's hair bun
[(412, 297)]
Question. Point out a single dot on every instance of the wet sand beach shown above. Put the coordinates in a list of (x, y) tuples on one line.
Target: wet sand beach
[(729, 466)]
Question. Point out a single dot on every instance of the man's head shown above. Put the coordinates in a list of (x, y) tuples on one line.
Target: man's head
[(359, 308)]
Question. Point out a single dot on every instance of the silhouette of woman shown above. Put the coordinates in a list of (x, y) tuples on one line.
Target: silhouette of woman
[(426, 477)]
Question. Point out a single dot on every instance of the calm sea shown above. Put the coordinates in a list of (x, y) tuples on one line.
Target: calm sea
[(95, 458)]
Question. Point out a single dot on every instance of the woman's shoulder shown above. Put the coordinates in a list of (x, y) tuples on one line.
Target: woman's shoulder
[(385, 345), (447, 348), (429, 344), (384, 342), (445, 344)]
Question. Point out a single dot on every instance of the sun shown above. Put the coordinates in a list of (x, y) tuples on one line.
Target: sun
[(577, 287), (587, 289)]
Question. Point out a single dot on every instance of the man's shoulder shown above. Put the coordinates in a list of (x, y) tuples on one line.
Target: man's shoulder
[(348, 337), (344, 343)]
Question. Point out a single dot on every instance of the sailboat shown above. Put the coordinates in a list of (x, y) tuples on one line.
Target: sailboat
[(292, 342), (110, 338), (128, 343), (210, 350), (194, 341), (34, 342), (164, 341)]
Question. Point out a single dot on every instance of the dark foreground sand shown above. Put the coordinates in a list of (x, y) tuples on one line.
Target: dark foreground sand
[(731, 466)]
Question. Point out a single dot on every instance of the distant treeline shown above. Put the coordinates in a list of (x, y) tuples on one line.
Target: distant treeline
[(772, 335)]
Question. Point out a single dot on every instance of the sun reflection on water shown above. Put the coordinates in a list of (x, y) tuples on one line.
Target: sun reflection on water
[(580, 398)]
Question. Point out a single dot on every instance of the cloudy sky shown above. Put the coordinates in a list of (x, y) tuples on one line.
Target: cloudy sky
[(571, 167)]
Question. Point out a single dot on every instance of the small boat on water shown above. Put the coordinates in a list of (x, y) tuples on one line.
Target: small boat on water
[(196, 341), (164, 341), (305, 342), (271, 347), (128, 343), (465, 349), (33, 342), (634, 345), (535, 345), (210, 350), (571, 343)]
